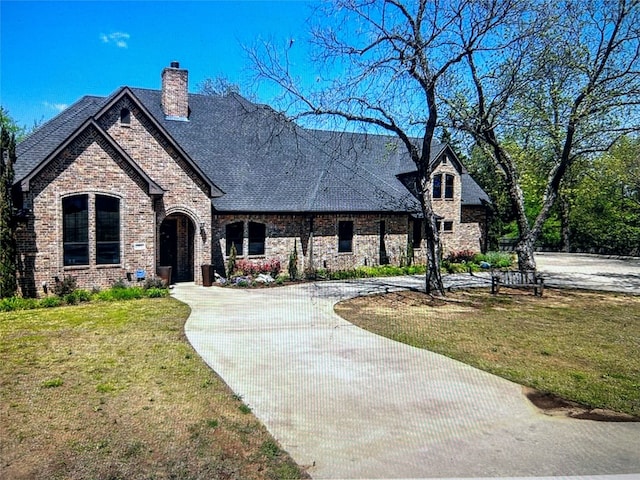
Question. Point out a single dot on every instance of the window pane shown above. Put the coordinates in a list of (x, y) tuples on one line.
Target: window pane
[(76, 254), (448, 189), (417, 233), (257, 234), (75, 227), (235, 233), (75, 218), (107, 230), (125, 116), (437, 186), (107, 253), (107, 219), (448, 226), (345, 236)]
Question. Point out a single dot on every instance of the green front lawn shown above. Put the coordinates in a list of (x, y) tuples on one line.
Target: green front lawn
[(113, 390)]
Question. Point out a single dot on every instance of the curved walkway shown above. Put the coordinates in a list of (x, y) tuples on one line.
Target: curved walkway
[(349, 404)]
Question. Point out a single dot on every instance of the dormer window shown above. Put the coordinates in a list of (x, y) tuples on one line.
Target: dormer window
[(125, 117)]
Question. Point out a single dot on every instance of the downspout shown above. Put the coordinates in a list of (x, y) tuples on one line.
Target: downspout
[(311, 264)]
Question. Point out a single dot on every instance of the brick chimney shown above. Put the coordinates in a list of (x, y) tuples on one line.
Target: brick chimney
[(175, 102)]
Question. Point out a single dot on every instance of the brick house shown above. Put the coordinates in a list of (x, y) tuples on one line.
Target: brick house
[(125, 184)]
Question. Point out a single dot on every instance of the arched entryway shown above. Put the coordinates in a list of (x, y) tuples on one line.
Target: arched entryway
[(177, 233)]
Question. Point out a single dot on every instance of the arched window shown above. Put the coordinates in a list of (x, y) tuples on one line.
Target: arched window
[(107, 230), (75, 226), (234, 236), (125, 117), (257, 235)]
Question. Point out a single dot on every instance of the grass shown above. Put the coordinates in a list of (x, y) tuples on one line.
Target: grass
[(112, 390), (581, 346)]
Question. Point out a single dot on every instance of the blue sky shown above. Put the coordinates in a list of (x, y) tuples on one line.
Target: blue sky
[(52, 53)]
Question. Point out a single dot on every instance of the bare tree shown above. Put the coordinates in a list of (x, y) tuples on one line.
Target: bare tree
[(381, 63), (219, 86), (567, 88)]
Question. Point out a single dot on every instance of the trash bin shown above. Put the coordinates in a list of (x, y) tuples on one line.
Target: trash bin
[(207, 275), (165, 274)]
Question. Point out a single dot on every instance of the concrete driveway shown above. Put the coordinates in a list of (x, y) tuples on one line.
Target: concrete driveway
[(591, 271), (350, 404)]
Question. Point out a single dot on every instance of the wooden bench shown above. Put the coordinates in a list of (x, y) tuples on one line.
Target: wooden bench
[(516, 279)]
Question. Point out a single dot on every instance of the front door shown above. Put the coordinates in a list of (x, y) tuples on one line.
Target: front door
[(169, 245), (177, 235)]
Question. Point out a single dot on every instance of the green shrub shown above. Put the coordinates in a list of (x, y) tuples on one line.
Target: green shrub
[(83, 295), (231, 261), (130, 293), (416, 269), (156, 292), (497, 259), (120, 293), (10, 304), (70, 299), (293, 262), (77, 296), (451, 267), (50, 302)]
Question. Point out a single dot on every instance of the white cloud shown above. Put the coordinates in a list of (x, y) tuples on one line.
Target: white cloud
[(55, 106), (119, 39)]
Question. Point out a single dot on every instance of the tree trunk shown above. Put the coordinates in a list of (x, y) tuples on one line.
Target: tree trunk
[(525, 252), (564, 224), (433, 276)]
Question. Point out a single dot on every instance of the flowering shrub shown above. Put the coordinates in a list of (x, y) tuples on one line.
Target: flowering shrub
[(252, 268), (461, 256)]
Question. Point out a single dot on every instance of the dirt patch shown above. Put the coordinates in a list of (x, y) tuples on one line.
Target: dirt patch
[(556, 406)]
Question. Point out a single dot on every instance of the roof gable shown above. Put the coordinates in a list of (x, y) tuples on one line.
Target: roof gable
[(153, 187), (126, 92)]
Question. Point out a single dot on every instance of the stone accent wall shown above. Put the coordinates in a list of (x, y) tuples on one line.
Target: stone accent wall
[(316, 239), (88, 166), (473, 229), (468, 223), (175, 101)]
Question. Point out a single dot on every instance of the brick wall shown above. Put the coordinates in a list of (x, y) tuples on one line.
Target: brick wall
[(88, 166), (318, 247), (91, 166), (186, 193)]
